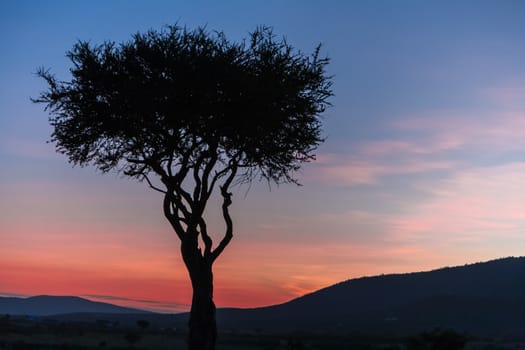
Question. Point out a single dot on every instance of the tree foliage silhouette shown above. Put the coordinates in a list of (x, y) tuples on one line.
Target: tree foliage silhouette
[(189, 111)]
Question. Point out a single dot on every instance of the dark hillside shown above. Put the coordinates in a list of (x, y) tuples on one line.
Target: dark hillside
[(477, 297)]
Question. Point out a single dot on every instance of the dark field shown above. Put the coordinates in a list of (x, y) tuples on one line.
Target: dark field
[(22, 333)]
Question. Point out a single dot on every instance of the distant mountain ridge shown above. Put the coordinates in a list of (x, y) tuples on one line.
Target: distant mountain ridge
[(483, 298), (45, 305)]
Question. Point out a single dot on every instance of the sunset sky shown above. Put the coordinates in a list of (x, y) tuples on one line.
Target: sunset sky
[(423, 164)]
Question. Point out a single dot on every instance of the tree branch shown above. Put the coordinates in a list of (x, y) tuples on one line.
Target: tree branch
[(205, 192), (170, 163), (197, 179), (173, 219), (227, 201), (151, 185), (181, 194), (178, 178), (233, 162), (216, 177), (205, 238), (179, 204)]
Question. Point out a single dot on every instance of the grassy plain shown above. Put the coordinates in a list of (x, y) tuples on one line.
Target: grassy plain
[(35, 334)]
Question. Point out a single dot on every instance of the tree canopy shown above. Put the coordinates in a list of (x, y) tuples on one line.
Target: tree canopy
[(184, 98)]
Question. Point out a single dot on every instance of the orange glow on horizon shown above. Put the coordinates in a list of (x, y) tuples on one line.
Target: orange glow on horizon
[(140, 274), (104, 265)]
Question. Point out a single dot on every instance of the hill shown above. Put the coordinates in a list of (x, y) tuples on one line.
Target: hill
[(44, 305), (479, 298)]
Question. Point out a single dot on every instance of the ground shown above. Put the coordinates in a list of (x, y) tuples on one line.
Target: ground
[(23, 333)]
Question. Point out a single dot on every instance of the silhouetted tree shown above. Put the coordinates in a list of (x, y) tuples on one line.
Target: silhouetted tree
[(189, 111), (132, 337)]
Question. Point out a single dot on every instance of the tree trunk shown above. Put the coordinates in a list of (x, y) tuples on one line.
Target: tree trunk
[(202, 324)]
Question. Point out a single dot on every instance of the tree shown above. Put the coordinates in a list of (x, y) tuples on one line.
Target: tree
[(132, 337), (188, 112)]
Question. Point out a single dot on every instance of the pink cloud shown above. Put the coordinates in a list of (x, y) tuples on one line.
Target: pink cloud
[(403, 148), (349, 172), (473, 205), (426, 143), (501, 131), (505, 95)]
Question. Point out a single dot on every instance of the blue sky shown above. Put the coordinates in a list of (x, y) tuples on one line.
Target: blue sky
[(423, 164)]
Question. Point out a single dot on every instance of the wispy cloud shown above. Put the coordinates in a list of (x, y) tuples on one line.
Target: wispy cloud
[(428, 142), (496, 131), (149, 304), (472, 205), (16, 295), (403, 148), (358, 170), (505, 95)]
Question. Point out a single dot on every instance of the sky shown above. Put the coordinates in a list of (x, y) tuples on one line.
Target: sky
[(423, 164)]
